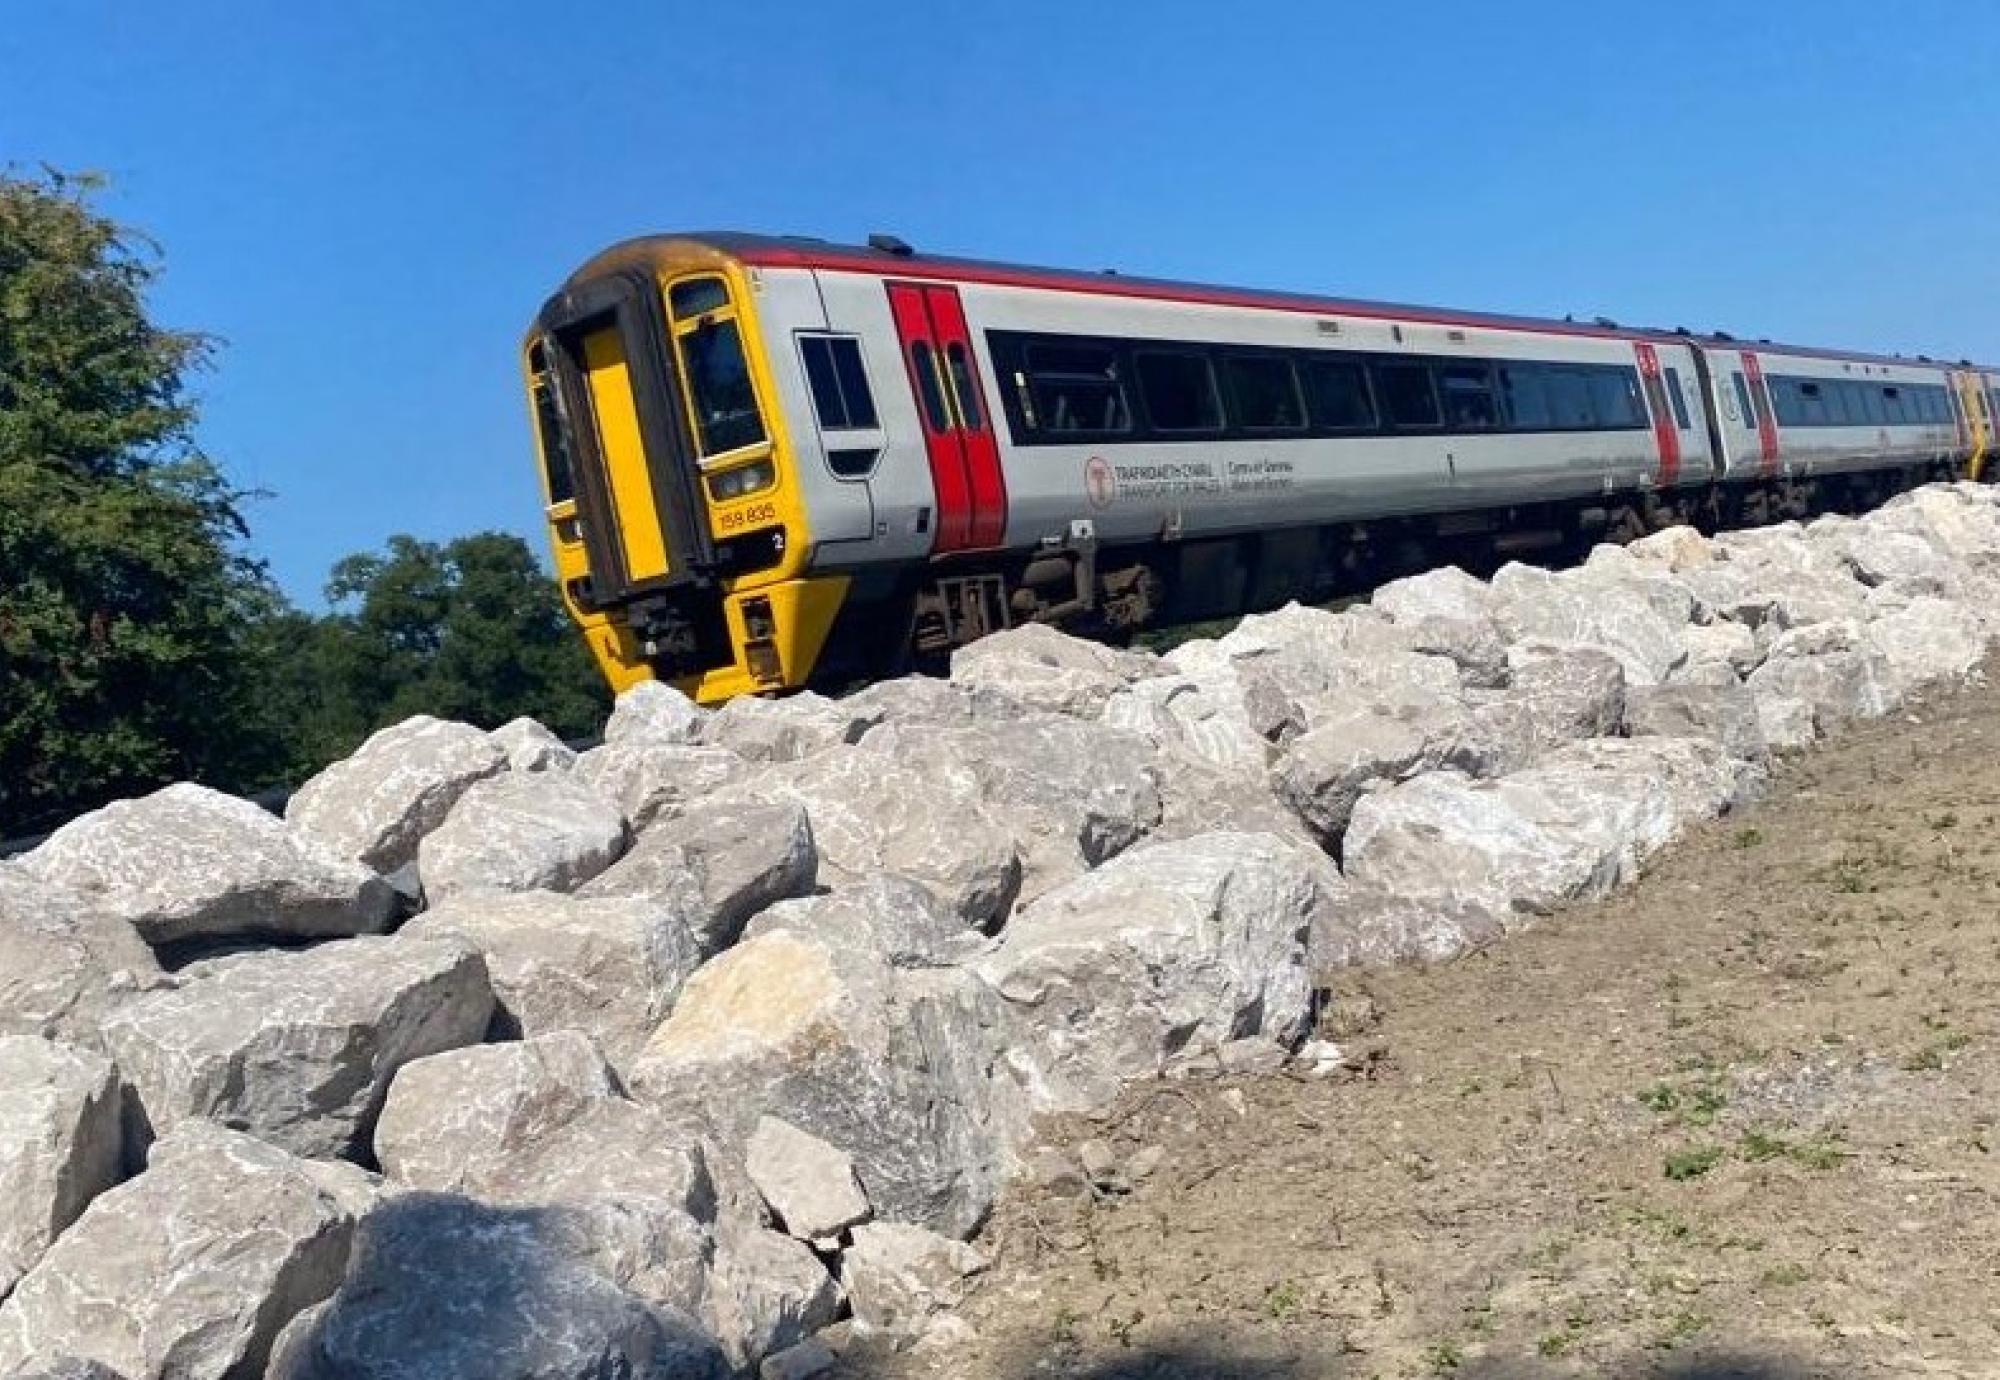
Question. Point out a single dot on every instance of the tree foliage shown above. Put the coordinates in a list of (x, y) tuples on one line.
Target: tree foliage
[(126, 602)]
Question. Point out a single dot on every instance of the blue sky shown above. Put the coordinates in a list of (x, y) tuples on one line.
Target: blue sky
[(368, 201)]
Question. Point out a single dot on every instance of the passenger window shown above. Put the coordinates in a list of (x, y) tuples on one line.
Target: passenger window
[(1263, 393), (963, 385), (1812, 405), (1892, 402), (1469, 403), (1179, 391), (1338, 391), (1614, 397), (1874, 407), (1677, 400), (1748, 413), (698, 297), (1839, 399), (1075, 388), (1569, 400), (718, 379), (924, 365), (1408, 397), (839, 382)]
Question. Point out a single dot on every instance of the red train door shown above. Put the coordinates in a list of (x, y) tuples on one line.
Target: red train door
[(1760, 400), (958, 424), (1665, 431)]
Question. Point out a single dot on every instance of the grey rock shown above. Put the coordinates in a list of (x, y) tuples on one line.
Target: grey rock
[(1928, 641), (527, 832), (802, 1362), (69, 1368), (1324, 772), (61, 1144), (532, 747), (738, 856), (767, 1293), (1168, 947), (1832, 666), (298, 1048), (808, 1183), (1786, 722), (784, 730), (1878, 554), (1724, 713), (918, 699), (897, 918), (870, 813), (1721, 643), (610, 966), (899, 1277), (892, 1066), (63, 961), (655, 781), (654, 713), (376, 804), (187, 862), (520, 1305), (1449, 613), (188, 1271), (1577, 609), (1037, 666), (1210, 708)]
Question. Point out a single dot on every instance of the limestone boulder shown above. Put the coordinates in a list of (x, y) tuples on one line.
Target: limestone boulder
[(1449, 613), (376, 804), (1614, 566), (61, 1144), (655, 781), (1578, 609), (520, 1304), (1878, 554), (766, 1293), (1556, 694), (1677, 549), (735, 856), (1832, 666), (297, 1048), (1167, 947), (892, 916), (808, 1183), (1322, 774), (187, 862), (654, 713), (1721, 643), (899, 1277), (1929, 641), (784, 730), (522, 832), (1044, 669), (1071, 793), (891, 1066), (872, 814), (1787, 723), (1718, 711), (530, 746), (919, 699), (188, 1271), (608, 966), (1210, 707), (63, 961)]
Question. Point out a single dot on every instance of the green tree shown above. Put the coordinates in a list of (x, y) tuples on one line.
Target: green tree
[(467, 629), (129, 614)]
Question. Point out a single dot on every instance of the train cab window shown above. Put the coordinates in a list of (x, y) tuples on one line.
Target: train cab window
[(1178, 390), (1570, 407), (556, 462), (1677, 399), (1263, 393), (839, 382), (1074, 387), (702, 295), (1469, 403), (1614, 398), (718, 378), (1409, 397), (964, 385), (1746, 413), (1337, 391), (1525, 391)]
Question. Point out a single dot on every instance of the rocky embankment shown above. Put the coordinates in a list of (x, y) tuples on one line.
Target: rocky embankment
[(494, 1060)]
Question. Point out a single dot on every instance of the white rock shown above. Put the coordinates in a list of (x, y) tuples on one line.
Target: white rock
[(1721, 643), (1786, 723), (61, 1144), (1720, 713), (1166, 947), (527, 832), (1575, 609), (808, 1183), (899, 1277), (784, 730), (532, 747), (1832, 666), (1676, 548), (654, 713), (297, 1048), (1324, 772), (1929, 640), (656, 781), (376, 804), (188, 1271), (1450, 613), (895, 917), (1040, 667), (187, 862), (63, 962)]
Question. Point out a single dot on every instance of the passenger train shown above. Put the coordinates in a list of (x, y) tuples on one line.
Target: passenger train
[(775, 462)]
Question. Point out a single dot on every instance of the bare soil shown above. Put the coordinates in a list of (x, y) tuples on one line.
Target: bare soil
[(1737, 1121)]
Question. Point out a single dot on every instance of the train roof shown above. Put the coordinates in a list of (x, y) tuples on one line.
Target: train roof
[(893, 260)]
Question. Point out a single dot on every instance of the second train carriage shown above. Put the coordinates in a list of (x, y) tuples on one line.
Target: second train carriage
[(770, 461)]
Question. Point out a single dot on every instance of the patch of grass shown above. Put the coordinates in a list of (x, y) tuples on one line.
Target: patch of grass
[(1689, 1104), (1683, 1327), (1748, 838), (1822, 1153), (1444, 1359), (1560, 1342), (1285, 1301), (1669, 1226), (1683, 1165), (1757, 1146), (1786, 1276)]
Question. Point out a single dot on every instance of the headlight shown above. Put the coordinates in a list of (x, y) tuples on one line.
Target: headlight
[(742, 480)]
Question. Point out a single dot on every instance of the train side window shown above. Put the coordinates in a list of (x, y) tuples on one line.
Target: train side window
[(923, 363), (1892, 404), (718, 378), (1469, 401), (1812, 404), (1677, 400), (839, 382), (1263, 393), (1178, 389), (1839, 403), (1525, 392), (1614, 397), (1337, 390), (1570, 406), (1409, 396), (1874, 410), (964, 385), (1749, 413), (1075, 388)]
